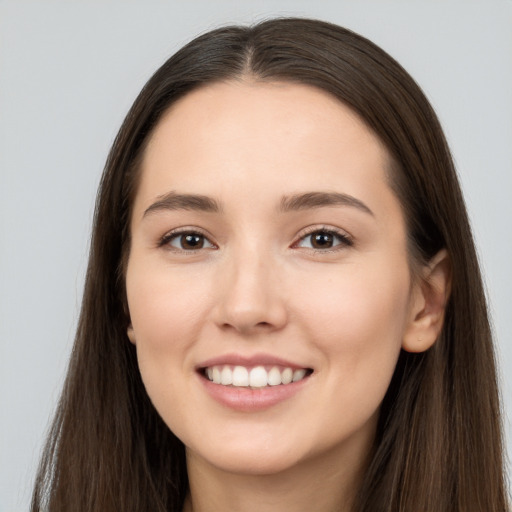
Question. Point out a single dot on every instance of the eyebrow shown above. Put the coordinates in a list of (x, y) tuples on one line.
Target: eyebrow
[(309, 200), (175, 201), (319, 200)]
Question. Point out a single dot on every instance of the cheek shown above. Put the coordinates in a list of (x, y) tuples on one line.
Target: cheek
[(165, 307), (357, 303), (358, 323)]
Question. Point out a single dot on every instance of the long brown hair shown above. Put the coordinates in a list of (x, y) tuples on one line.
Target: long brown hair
[(438, 446)]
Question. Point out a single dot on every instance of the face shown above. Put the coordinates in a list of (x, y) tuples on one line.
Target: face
[(268, 282)]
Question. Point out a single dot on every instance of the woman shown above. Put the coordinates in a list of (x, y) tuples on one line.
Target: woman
[(283, 308)]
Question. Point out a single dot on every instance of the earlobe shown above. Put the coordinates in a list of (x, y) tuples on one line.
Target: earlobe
[(131, 334), (428, 304)]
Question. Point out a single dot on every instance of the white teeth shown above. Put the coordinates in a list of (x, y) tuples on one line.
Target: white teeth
[(274, 377), (257, 377), (298, 375), (226, 376), (287, 376), (240, 376)]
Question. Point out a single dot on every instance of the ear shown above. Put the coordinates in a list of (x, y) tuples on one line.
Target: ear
[(131, 334), (428, 304)]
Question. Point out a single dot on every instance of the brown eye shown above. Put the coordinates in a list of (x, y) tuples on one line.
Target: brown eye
[(189, 241), (323, 239)]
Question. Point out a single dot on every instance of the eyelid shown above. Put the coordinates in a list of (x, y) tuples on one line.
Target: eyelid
[(193, 230), (346, 239)]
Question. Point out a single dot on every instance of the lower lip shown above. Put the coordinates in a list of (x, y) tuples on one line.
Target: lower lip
[(252, 400)]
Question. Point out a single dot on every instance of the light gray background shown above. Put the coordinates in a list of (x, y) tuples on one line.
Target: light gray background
[(68, 74)]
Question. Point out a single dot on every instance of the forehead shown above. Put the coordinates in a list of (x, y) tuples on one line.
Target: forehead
[(272, 137)]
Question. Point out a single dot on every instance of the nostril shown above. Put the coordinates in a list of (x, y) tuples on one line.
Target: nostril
[(245, 326)]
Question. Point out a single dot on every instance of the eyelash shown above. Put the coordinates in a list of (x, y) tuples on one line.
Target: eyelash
[(343, 239), (168, 237)]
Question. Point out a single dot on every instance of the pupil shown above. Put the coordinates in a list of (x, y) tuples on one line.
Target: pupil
[(192, 242), (322, 240)]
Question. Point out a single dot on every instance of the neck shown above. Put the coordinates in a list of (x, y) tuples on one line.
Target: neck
[(323, 485)]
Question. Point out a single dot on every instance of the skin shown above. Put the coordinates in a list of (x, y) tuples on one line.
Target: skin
[(257, 286)]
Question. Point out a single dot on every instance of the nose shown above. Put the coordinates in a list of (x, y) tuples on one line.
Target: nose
[(251, 294)]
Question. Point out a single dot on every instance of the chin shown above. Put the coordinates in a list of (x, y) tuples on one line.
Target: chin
[(248, 458), (253, 464)]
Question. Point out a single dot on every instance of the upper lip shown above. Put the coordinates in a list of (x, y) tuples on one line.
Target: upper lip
[(249, 361)]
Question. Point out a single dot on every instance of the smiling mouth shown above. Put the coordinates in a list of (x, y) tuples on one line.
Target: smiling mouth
[(254, 377)]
